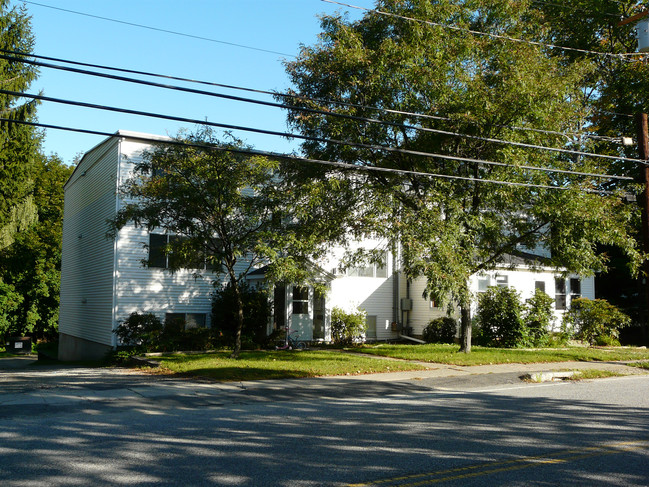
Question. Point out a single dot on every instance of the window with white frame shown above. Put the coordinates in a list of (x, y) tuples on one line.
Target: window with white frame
[(502, 281), (158, 258), (300, 300), (575, 288), (560, 293), (483, 284), (379, 270)]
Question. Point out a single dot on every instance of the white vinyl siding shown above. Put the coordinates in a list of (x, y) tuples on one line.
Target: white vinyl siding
[(87, 255), (158, 291), (374, 295), (525, 282), (422, 312)]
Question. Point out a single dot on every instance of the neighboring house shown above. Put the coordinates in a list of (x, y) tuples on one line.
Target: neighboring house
[(103, 280)]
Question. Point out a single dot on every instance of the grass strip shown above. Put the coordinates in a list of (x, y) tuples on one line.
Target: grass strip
[(449, 354), (258, 365)]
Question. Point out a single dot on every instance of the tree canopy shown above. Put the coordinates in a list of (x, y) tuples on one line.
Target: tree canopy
[(31, 266), (412, 88), (215, 197)]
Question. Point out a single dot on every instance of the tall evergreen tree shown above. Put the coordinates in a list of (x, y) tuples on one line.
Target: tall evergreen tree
[(19, 143)]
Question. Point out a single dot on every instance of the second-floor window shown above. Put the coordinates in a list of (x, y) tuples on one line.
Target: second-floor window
[(371, 270), (161, 260)]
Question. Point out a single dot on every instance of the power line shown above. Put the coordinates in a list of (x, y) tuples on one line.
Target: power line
[(479, 33), (297, 97), (302, 137), (157, 29), (318, 111), (290, 157)]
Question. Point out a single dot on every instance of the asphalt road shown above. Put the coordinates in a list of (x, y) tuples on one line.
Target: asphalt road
[(65, 427)]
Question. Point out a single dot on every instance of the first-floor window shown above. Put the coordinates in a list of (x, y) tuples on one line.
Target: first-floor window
[(575, 288), (185, 321), (559, 293), (300, 300), (540, 285)]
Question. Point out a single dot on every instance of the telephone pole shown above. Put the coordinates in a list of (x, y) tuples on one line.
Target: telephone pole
[(643, 149)]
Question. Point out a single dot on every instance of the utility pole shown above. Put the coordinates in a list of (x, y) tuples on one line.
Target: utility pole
[(643, 149)]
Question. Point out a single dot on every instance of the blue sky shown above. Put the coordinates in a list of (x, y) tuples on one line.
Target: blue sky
[(274, 25)]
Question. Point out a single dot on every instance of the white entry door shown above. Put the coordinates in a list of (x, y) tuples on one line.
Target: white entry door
[(302, 311)]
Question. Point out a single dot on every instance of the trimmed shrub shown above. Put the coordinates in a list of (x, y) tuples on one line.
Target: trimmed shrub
[(256, 311), (440, 330), (538, 317), (141, 330), (347, 328), (500, 318), (595, 321)]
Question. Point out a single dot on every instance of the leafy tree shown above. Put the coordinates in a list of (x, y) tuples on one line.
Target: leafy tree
[(20, 143), (32, 264), (257, 310), (219, 201), (437, 82)]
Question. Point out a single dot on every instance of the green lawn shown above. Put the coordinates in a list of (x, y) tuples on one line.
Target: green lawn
[(448, 354), (317, 363), (279, 365)]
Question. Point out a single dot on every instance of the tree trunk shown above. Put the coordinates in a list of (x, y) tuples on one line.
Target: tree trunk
[(465, 339), (237, 295)]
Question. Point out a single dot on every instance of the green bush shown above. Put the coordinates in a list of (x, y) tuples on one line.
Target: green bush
[(538, 317), (347, 328), (595, 321), (256, 311), (145, 332), (141, 330), (500, 318), (440, 330)]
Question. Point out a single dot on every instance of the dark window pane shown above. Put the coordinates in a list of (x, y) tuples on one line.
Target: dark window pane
[(560, 301), (300, 307), (560, 286), (539, 285), (194, 320), (575, 287), (175, 321), (157, 258), (300, 293)]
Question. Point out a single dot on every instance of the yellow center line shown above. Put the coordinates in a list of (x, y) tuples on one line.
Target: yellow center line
[(490, 468)]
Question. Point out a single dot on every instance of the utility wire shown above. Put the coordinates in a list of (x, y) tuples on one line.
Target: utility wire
[(318, 112), (157, 29), (479, 33), (302, 137), (297, 97), (291, 157)]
